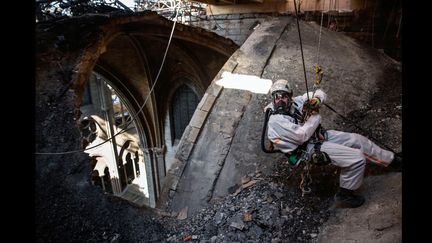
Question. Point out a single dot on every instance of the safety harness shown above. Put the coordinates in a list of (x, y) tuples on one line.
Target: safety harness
[(301, 155), (296, 156)]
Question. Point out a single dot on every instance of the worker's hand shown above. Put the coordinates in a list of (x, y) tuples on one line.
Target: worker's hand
[(314, 103)]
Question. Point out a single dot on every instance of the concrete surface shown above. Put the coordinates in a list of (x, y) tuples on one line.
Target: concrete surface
[(378, 220)]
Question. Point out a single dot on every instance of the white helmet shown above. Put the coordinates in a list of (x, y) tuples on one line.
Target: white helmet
[(281, 85)]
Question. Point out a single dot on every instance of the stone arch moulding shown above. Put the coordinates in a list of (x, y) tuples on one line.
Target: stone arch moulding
[(134, 100), (143, 23), (128, 160), (153, 26)]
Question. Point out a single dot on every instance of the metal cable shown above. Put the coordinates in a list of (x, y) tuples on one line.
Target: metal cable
[(361, 129)]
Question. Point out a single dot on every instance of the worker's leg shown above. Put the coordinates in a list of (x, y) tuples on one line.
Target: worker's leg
[(351, 161), (372, 152)]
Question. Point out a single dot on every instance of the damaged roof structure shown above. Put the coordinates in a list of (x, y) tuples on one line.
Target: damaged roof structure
[(132, 124)]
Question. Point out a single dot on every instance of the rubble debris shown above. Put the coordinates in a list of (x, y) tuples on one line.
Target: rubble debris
[(182, 214), (264, 210)]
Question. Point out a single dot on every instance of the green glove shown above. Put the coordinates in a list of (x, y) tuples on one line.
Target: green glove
[(314, 103)]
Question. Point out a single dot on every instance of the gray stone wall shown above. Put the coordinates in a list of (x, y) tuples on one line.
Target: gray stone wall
[(236, 27)]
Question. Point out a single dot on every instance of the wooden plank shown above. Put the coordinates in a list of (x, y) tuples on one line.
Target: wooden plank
[(274, 6), (265, 7)]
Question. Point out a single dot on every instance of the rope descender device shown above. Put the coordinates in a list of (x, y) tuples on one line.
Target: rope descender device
[(319, 73), (306, 180)]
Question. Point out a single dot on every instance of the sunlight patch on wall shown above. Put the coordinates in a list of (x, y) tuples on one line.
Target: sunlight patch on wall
[(250, 83)]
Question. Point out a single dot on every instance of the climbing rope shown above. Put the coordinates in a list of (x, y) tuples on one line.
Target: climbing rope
[(306, 111), (306, 179), (318, 70), (301, 48), (319, 36)]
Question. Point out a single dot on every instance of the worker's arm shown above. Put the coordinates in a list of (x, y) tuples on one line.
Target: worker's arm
[(320, 94), (281, 131)]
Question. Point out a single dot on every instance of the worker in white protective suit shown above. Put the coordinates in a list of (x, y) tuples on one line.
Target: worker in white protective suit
[(349, 151)]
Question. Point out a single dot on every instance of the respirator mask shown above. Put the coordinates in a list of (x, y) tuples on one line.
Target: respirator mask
[(281, 101)]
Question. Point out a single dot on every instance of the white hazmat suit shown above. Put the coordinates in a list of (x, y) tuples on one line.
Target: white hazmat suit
[(348, 151)]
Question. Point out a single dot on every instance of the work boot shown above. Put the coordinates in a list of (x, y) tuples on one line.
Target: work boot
[(396, 163), (345, 198)]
